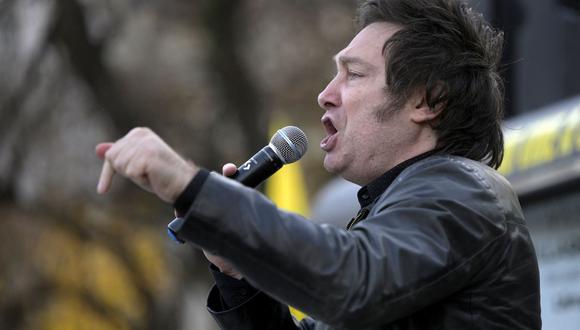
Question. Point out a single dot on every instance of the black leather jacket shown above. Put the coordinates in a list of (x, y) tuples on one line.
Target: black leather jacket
[(444, 247)]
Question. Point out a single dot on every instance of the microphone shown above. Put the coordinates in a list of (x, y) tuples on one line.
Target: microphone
[(288, 145)]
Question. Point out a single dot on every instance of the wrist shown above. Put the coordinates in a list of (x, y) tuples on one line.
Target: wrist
[(188, 193), (231, 272), (182, 181)]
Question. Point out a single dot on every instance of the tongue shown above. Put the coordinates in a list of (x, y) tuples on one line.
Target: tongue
[(328, 142)]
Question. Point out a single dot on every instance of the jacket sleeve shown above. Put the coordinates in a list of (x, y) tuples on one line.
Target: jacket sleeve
[(420, 244), (235, 304)]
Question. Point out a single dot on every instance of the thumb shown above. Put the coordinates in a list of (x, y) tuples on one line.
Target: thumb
[(102, 148), (229, 169)]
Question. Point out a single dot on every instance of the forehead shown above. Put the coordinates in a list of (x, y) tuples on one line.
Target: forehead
[(368, 44)]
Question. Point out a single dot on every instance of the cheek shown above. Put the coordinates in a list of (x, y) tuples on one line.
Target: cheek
[(355, 97), (362, 106), (368, 99)]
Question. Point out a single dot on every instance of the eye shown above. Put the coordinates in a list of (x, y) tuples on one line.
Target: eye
[(353, 75)]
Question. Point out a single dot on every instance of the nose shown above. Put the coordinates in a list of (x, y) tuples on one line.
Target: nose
[(330, 97)]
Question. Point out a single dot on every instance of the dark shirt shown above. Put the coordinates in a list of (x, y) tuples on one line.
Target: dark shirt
[(369, 194)]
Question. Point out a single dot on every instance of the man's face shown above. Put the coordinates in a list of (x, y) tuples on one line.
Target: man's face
[(358, 145)]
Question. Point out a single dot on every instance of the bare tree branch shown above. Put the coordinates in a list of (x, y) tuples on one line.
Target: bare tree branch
[(87, 61), (241, 97)]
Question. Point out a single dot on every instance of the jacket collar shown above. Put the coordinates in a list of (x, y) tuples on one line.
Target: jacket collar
[(369, 193)]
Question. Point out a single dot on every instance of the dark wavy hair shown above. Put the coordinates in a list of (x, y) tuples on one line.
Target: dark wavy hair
[(452, 53)]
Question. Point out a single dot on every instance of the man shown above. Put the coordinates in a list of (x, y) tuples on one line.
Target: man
[(440, 242)]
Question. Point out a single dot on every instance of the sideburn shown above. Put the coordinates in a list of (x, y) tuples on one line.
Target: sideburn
[(390, 107)]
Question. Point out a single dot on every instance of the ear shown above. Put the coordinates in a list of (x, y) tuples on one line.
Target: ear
[(421, 112)]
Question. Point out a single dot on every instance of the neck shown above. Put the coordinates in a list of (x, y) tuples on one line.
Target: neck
[(375, 170)]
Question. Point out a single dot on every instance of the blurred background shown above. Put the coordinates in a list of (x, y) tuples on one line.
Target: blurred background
[(213, 78)]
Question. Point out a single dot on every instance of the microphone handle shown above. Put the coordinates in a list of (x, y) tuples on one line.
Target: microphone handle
[(258, 168)]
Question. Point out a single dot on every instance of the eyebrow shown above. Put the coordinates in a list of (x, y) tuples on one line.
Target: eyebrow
[(345, 60)]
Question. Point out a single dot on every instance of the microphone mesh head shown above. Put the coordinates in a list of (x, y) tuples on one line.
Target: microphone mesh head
[(290, 143)]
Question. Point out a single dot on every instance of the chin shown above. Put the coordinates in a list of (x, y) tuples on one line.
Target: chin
[(333, 166), (329, 166), (343, 171)]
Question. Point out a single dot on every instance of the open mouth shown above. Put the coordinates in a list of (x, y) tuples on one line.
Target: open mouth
[(330, 129), (330, 140)]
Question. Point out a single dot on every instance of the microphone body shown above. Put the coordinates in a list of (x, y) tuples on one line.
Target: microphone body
[(258, 168)]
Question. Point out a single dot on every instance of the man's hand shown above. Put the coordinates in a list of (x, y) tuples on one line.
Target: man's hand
[(148, 161), (223, 265)]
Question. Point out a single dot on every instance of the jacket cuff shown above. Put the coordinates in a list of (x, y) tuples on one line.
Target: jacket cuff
[(258, 312), (233, 292), (187, 197)]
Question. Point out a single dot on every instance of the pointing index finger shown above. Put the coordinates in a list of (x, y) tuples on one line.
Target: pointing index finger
[(106, 178)]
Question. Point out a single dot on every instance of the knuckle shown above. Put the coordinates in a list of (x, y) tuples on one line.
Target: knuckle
[(116, 165), (140, 131), (108, 155), (134, 170)]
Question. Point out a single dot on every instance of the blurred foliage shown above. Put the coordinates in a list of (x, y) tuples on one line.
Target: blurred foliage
[(58, 272), (207, 75)]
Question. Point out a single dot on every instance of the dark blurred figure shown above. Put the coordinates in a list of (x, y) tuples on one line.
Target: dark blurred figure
[(540, 63)]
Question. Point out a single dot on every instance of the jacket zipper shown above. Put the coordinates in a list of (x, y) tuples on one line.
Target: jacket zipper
[(362, 213)]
